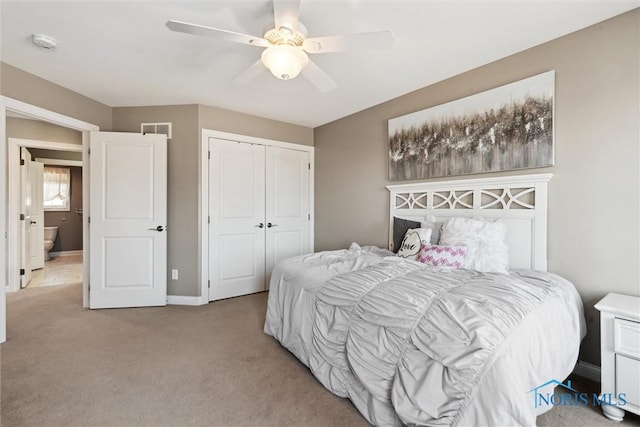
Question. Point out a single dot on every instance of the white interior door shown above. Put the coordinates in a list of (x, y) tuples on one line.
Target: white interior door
[(25, 217), (236, 208), (128, 216), (37, 215), (287, 205)]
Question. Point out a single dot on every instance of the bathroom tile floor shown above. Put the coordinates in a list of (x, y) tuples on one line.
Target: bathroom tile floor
[(62, 270)]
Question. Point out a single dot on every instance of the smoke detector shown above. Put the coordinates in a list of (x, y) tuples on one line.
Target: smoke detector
[(44, 41)]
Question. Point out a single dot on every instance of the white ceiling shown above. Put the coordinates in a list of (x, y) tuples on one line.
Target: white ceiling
[(121, 54)]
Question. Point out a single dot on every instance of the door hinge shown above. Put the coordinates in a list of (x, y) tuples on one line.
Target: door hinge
[(209, 155), (22, 272), (209, 283), (21, 217), (309, 166), (208, 219), (88, 220), (21, 162), (309, 217), (89, 151)]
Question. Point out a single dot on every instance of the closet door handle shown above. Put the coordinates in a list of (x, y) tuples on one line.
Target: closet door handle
[(158, 228), (261, 225), (269, 225)]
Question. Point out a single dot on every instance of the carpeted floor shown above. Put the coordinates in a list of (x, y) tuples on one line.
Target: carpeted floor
[(63, 365)]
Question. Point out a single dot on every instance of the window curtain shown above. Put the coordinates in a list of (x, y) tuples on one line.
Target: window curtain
[(56, 187)]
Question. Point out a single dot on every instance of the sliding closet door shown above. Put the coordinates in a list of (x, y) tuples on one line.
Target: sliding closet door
[(287, 209), (236, 208)]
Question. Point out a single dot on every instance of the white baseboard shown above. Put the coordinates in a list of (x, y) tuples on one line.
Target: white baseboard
[(65, 253), (182, 300), (587, 370)]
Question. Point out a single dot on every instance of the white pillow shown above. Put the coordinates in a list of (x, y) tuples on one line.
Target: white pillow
[(487, 250), (435, 227), (412, 243)]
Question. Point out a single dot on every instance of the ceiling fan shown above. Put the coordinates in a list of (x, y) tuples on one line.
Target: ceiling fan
[(287, 45)]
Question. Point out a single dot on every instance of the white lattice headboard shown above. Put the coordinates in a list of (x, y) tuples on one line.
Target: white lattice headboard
[(520, 201)]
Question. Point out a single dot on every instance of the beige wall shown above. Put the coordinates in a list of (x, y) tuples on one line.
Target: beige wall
[(230, 121), (182, 201), (42, 131), (29, 88), (183, 170), (184, 149), (594, 218), (69, 223)]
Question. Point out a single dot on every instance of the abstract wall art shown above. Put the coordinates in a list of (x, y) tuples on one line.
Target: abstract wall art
[(506, 128)]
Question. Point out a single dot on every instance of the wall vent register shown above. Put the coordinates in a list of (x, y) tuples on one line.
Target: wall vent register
[(156, 128)]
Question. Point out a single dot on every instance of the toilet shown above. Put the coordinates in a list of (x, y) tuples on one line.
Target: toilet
[(50, 234)]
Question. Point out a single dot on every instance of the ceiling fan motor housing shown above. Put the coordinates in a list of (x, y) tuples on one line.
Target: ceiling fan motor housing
[(284, 35)]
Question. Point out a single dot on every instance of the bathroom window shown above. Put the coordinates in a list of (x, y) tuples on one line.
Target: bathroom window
[(57, 188)]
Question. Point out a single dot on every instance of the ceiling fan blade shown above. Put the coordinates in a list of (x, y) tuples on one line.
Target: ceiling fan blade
[(286, 13), (216, 33), (250, 73), (359, 41), (319, 78)]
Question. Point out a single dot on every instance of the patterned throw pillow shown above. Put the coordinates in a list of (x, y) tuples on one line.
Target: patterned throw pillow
[(413, 241), (400, 227), (443, 256)]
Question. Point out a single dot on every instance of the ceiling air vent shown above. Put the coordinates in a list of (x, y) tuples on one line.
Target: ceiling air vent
[(161, 128)]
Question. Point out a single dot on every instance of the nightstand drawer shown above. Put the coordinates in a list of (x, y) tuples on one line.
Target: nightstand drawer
[(627, 337), (628, 379)]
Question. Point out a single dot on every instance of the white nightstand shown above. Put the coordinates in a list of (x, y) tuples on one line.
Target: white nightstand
[(620, 354)]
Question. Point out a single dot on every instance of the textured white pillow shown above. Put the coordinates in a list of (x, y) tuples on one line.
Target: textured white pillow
[(435, 227), (487, 250), (412, 243)]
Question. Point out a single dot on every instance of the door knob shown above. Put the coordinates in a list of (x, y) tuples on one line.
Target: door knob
[(269, 225), (261, 225), (158, 228)]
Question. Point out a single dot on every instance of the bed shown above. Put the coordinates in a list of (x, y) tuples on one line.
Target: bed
[(414, 344)]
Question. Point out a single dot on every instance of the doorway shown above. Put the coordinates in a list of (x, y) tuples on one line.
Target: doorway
[(16, 240), (53, 212), (7, 221), (19, 241)]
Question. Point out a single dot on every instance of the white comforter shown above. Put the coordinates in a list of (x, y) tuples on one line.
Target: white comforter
[(410, 344)]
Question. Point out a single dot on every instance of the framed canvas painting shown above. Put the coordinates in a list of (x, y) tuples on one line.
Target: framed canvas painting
[(506, 128)]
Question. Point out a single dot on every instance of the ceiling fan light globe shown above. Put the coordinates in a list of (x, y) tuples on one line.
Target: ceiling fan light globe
[(284, 61)]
